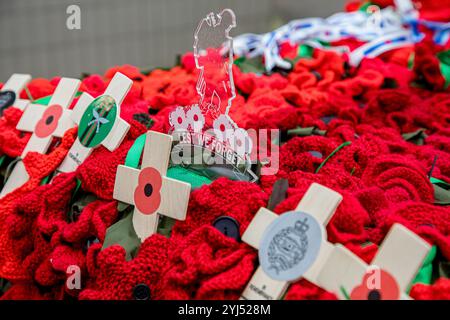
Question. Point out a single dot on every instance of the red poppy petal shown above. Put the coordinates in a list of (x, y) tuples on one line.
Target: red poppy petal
[(147, 197), (49, 121), (359, 293)]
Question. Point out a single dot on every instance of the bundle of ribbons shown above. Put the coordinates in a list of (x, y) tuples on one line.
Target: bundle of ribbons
[(363, 106)]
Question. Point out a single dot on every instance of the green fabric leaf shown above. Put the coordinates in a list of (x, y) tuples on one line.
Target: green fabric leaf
[(426, 271), (165, 226), (77, 207), (366, 5), (444, 58), (411, 61), (134, 154), (304, 132), (441, 192), (305, 51), (417, 137), (185, 175), (46, 100), (10, 168), (278, 193), (123, 234), (444, 269), (253, 65)]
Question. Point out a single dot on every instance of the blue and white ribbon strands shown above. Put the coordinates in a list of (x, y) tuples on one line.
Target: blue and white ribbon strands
[(381, 30)]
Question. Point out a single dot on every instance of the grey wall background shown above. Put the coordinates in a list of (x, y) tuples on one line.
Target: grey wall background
[(145, 33)]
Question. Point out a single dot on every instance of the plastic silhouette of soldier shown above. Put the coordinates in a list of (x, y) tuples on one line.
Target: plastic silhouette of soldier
[(213, 52)]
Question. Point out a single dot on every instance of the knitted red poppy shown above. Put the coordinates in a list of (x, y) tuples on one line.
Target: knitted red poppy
[(323, 68), (114, 278), (265, 108), (430, 222), (26, 291), (207, 265), (169, 88), (304, 290), (241, 201), (249, 82), (305, 153), (38, 166), (440, 290), (12, 141), (426, 65), (402, 178), (39, 88)]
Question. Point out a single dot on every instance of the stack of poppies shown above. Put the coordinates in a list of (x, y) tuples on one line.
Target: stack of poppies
[(377, 133)]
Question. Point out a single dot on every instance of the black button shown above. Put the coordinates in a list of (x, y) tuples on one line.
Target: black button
[(374, 295), (148, 190), (49, 120), (317, 75), (141, 292), (316, 154), (327, 119), (228, 227)]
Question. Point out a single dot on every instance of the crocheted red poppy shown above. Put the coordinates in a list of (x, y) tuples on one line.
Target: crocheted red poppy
[(38, 166), (241, 201), (29, 291), (12, 141), (440, 290), (169, 88), (207, 265), (265, 108), (114, 278), (402, 178)]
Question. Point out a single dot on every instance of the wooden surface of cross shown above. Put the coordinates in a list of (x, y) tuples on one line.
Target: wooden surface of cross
[(174, 194), (36, 117), (117, 89), (401, 254), (15, 84), (319, 202)]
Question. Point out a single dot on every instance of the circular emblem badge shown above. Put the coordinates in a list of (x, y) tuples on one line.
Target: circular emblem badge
[(97, 121), (290, 246), (7, 99)]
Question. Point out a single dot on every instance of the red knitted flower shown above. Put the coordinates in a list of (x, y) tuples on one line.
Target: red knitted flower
[(207, 265), (114, 278)]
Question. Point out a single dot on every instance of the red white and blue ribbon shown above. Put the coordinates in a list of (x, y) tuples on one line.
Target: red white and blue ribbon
[(382, 30)]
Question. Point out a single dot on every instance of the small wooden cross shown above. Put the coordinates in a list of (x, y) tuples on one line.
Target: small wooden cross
[(45, 122), (149, 190), (400, 255), (302, 245), (10, 93), (99, 122)]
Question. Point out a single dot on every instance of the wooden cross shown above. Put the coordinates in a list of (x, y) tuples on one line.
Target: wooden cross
[(10, 93), (99, 122), (320, 203), (149, 190), (401, 255), (45, 122)]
